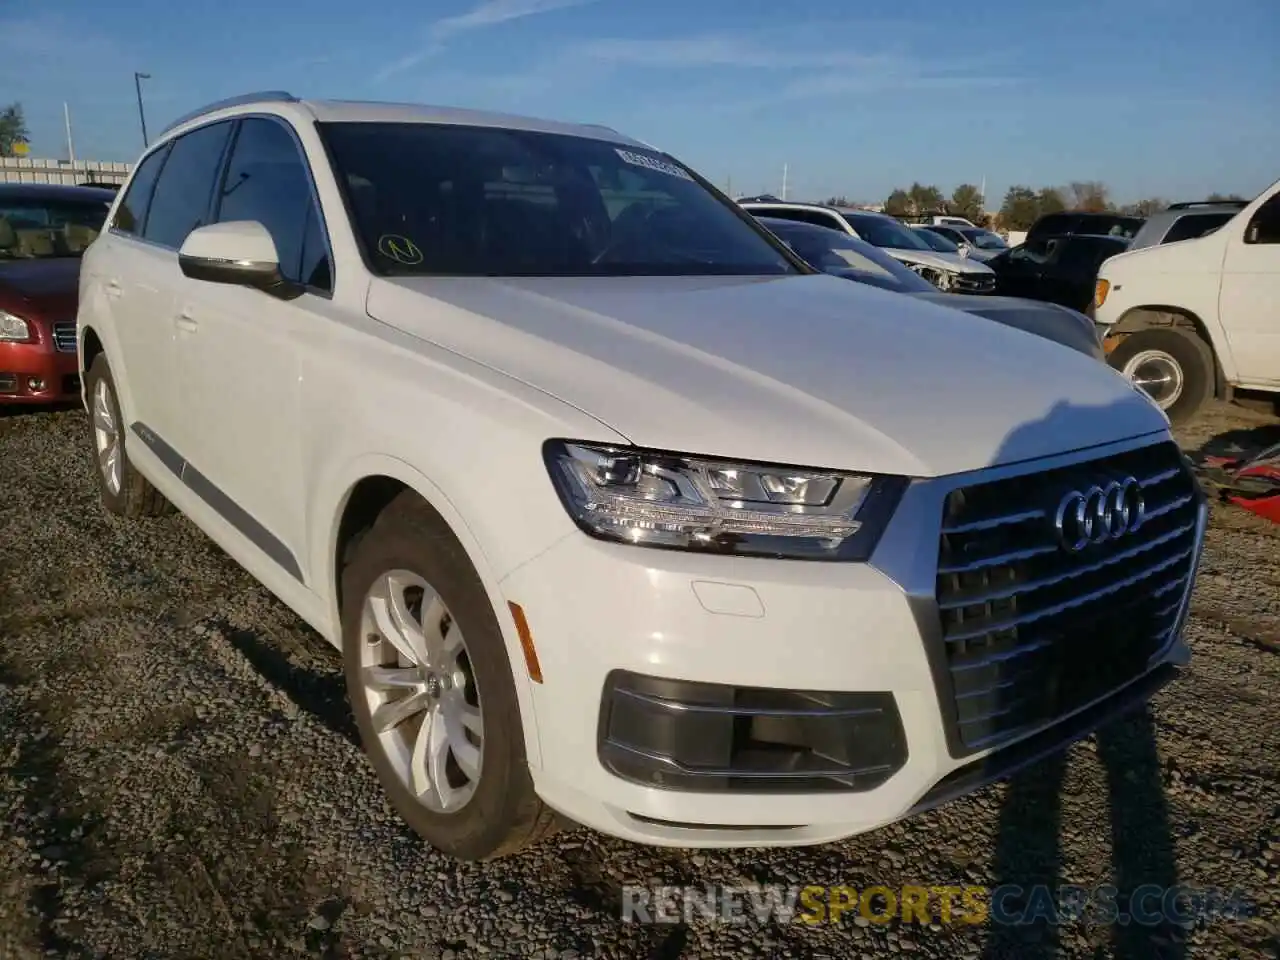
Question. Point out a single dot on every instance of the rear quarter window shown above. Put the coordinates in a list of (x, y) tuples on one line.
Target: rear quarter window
[(131, 214)]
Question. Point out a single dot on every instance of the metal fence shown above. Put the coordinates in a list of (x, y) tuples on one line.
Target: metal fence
[(29, 170)]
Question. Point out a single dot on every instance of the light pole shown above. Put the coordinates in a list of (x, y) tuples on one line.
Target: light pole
[(142, 117)]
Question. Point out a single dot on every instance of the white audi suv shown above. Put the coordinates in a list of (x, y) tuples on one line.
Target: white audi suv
[(616, 508)]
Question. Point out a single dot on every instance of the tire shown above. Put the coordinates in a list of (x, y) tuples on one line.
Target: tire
[(1170, 352), (497, 812), (123, 489)]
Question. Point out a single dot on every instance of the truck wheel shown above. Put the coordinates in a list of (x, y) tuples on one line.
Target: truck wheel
[(1174, 367), (431, 688), (124, 490)]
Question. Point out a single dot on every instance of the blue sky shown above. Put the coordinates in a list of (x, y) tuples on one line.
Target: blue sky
[(1172, 98)]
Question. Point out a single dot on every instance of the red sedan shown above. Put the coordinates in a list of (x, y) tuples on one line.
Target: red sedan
[(44, 228)]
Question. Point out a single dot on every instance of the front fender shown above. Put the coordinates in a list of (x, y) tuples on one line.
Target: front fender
[(336, 492)]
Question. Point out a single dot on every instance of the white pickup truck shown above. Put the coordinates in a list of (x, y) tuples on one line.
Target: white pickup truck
[(1199, 318)]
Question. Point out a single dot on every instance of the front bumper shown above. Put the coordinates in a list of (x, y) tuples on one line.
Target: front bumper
[(598, 611), (35, 373)]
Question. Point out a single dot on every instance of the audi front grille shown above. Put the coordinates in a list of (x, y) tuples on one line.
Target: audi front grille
[(64, 336), (1056, 588)]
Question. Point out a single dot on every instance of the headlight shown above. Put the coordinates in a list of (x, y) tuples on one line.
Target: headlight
[(939, 278), (13, 328), (671, 500)]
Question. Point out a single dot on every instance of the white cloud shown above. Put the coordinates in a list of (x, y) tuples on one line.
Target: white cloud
[(493, 12), (488, 13)]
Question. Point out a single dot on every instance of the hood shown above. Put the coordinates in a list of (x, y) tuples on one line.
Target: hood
[(49, 288), (809, 370), (1194, 256), (939, 261), (1049, 320)]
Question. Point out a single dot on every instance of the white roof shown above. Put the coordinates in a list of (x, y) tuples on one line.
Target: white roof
[(355, 111)]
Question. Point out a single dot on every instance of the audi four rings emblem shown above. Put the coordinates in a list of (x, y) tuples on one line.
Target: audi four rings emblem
[(1099, 514)]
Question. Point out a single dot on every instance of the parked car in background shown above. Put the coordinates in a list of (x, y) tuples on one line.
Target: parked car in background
[(1200, 318), (564, 451), (946, 271), (1055, 269), (1071, 222), (837, 253), (976, 243), (1185, 221), (44, 230), (937, 241), (939, 218)]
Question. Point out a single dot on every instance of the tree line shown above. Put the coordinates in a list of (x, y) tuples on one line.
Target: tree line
[(1022, 206)]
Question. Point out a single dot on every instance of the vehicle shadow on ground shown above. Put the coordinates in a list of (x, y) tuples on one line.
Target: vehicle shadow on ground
[(12, 411), (1034, 906), (322, 695), (1028, 856), (1241, 442)]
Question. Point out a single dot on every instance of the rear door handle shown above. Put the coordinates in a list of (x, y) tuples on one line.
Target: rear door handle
[(187, 322)]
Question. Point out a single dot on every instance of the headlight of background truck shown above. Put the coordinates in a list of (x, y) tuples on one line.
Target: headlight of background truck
[(657, 499)]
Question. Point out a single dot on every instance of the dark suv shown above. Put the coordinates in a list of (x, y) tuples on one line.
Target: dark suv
[(1056, 269), (1071, 222)]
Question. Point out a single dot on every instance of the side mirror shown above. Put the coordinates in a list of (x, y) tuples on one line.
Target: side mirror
[(239, 252)]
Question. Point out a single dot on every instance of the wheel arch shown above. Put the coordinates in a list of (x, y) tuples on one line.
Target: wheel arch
[(367, 486), (1157, 316)]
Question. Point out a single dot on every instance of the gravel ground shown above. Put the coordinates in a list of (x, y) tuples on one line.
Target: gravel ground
[(179, 778)]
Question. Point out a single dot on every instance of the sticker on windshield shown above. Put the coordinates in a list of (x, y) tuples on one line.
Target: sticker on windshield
[(400, 249), (651, 163)]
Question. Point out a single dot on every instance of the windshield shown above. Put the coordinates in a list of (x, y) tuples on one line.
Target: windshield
[(38, 229), (885, 232), (937, 241), (483, 201), (985, 239), (834, 252)]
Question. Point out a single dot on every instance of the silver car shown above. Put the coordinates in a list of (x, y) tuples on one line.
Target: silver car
[(979, 244), (843, 255), (1185, 221)]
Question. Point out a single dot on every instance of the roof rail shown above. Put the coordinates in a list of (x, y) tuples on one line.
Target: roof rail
[(1241, 204), (265, 96)]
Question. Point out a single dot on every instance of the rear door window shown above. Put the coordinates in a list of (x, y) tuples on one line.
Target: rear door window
[(183, 193)]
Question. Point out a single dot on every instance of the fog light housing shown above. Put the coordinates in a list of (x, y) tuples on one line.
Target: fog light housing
[(35, 384), (718, 738)]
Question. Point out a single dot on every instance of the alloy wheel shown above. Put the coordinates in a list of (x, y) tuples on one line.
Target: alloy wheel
[(106, 437), (421, 691)]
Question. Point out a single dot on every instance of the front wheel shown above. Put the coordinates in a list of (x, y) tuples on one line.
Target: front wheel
[(431, 688), (1172, 366), (123, 489)]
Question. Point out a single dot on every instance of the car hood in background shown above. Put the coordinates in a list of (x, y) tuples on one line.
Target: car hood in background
[(939, 261), (1050, 320), (811, 370), (48, 287)]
